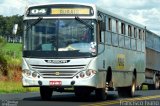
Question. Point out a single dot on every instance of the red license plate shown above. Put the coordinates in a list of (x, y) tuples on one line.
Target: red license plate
[(55, 83)]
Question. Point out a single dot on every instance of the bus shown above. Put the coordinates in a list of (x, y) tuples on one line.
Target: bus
[(81, 48)]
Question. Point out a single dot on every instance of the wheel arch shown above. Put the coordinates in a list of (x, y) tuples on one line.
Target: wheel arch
[(135, 73), (109, 74)]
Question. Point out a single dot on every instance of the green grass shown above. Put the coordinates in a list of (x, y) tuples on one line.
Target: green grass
[(15, 87), (12, 52), (145, 87), (13, 49)]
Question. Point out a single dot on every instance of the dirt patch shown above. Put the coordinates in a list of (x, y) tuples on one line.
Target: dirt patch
[(14, 74), (17, 75)]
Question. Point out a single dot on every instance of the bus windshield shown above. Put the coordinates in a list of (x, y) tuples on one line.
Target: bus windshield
[(59, 38)]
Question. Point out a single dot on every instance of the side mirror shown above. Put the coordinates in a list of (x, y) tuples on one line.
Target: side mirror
[(15, 28), (102, 26)]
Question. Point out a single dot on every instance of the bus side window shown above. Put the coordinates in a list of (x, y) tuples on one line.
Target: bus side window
[(114, 32), (140, 34), (117, 26), (121, 37), (129, 30), (143, 35), (101, 27), (108, 33), (139, 44), (109, 24), (123, 28), (101, 30), (135, 32)]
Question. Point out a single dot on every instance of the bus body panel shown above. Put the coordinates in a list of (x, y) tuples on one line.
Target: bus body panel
[(122, 75)]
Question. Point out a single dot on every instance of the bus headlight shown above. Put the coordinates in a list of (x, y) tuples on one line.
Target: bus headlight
[(34, 74), (88, 72), (94, 72), (82, 75), (27, 72)]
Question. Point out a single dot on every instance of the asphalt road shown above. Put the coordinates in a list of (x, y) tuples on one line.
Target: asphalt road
[(147, 98)]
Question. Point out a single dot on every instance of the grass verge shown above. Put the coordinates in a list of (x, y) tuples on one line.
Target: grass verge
[(13, 47), (145, 87), (15, 87), (13, 50)]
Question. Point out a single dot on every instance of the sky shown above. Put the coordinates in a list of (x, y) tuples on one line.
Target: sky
[(145, 12)]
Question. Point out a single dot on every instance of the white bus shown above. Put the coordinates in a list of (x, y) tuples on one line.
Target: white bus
[(81, 48)]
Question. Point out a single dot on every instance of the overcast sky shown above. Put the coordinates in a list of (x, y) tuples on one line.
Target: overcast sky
[(145, 12)]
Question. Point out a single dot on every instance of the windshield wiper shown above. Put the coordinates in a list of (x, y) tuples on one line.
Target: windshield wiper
[(83, 22), (34, 23)]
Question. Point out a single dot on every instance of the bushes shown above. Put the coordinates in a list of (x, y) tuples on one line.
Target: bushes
[(2, 42), (10, 61), (3, 61), (10, 67), (3, 65)]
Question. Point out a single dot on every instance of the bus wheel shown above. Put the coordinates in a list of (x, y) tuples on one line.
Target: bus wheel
[(46, 93), (101, 93), (157, 82), (128, 91), (132, 88), (83, 91)]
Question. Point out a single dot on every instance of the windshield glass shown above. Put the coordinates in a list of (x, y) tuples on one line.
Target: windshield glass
[(58, 38)]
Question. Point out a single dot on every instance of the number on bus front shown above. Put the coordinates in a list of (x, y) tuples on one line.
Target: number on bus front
[(38, 11)]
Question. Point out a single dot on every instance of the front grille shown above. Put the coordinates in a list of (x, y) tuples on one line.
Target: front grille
[(58, 71)]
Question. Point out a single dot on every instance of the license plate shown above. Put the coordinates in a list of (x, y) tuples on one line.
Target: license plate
[(55, 83)]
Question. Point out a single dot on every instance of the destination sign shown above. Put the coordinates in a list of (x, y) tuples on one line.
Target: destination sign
[(60, 10), (72, 11)]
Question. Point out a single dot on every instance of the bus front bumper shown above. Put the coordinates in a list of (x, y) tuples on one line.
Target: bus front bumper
[(59, 82)]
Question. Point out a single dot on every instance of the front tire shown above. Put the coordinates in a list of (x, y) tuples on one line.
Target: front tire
[(101, 94), (46, 93), (83, 91)]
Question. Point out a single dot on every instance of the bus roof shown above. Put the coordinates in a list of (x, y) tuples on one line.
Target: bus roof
[(119, 17), (95, 7), (76, 3)]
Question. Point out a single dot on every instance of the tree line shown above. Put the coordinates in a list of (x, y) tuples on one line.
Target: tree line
[(7, 23)]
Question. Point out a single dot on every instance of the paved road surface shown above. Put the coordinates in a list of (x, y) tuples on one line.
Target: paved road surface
[(68, 99)]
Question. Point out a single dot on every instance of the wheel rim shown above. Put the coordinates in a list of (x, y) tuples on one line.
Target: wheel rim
[(157, 84), (133, 88)]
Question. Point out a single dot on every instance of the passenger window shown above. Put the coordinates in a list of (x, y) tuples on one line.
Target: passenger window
[(135, 32), (129, 31), (140, 34), (119, 27), (109, 24), (114, 25), (123, 28), (117, 30), (143, 35)]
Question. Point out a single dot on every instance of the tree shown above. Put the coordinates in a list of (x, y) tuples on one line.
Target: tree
[(7, 23), (2, 25)]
